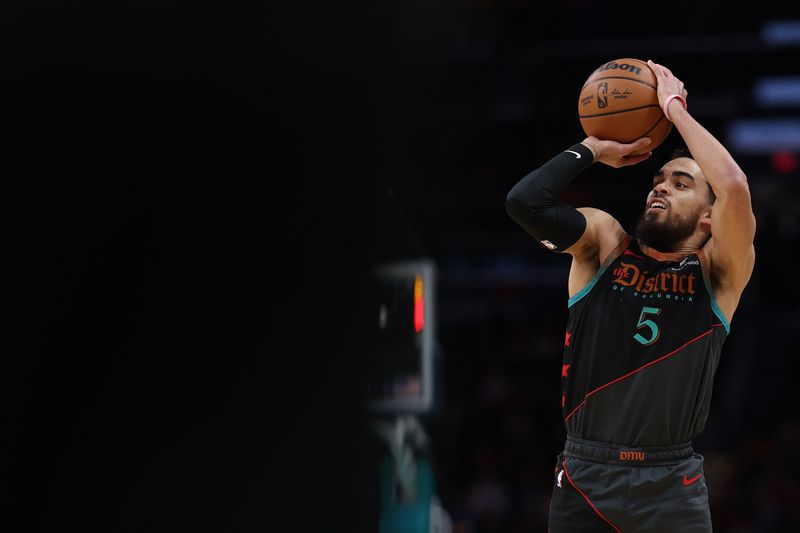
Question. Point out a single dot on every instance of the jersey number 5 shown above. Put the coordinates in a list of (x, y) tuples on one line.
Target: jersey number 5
[(652, 326)]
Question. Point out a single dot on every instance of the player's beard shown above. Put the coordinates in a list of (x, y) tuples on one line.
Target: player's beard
[(665, 235)]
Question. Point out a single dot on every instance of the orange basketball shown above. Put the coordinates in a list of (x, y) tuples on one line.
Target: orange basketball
[(619, 102)]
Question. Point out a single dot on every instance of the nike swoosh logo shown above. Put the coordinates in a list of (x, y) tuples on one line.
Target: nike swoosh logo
[(687, 481), (577, 155)]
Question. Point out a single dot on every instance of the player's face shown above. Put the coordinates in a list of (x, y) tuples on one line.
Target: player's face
[(679, 189), (678, 199)]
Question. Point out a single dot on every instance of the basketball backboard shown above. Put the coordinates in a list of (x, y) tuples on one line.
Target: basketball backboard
[(403, 308)]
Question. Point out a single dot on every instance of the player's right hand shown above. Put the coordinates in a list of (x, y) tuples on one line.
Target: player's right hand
[(616, 154)]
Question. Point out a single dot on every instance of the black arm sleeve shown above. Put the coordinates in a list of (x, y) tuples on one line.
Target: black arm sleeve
[(534, 202)]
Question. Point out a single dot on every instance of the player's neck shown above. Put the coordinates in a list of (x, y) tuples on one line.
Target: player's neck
[(687, 246)]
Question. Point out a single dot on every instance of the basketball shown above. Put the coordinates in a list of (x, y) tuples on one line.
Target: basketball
[(619, 103)]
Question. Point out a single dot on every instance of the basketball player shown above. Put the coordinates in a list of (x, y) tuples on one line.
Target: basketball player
[(648, 315)]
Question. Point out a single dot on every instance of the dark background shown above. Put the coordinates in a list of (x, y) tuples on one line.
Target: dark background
[(193, 197)]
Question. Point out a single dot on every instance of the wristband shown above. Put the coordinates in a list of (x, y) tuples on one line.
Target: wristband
[(678, 97)]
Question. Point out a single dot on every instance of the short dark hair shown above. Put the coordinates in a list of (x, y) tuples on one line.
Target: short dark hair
[(684, 152), (680, 152)]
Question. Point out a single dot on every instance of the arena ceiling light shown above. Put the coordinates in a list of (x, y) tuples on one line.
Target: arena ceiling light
[(783, 91), (764, 136), (781, 32)]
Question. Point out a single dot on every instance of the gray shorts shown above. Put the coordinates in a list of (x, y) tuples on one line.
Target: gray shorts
[(601, 487)]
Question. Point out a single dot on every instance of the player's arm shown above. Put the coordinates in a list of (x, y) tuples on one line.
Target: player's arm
[(733, 224), (588, 234), (535, 201)]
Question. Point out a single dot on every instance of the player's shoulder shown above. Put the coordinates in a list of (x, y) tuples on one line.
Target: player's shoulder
[(603, 224), (597, 215), (728, 283), (738, 276), (603, 233)]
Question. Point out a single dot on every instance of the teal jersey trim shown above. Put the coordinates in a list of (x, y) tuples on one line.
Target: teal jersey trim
[(584, 291), (616, 253), (714, 306)]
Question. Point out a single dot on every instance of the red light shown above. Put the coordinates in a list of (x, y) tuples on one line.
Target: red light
[(419, 305), (784, 161)]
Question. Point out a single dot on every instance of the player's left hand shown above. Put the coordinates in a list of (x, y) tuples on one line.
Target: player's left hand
[(668, 84)]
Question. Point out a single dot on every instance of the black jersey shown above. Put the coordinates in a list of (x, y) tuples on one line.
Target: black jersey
[(642, 344)]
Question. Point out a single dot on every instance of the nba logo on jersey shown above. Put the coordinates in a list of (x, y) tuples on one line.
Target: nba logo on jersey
[(549, 244)]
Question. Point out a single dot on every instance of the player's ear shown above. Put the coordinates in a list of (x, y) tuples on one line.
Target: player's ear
[(705, 218)]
